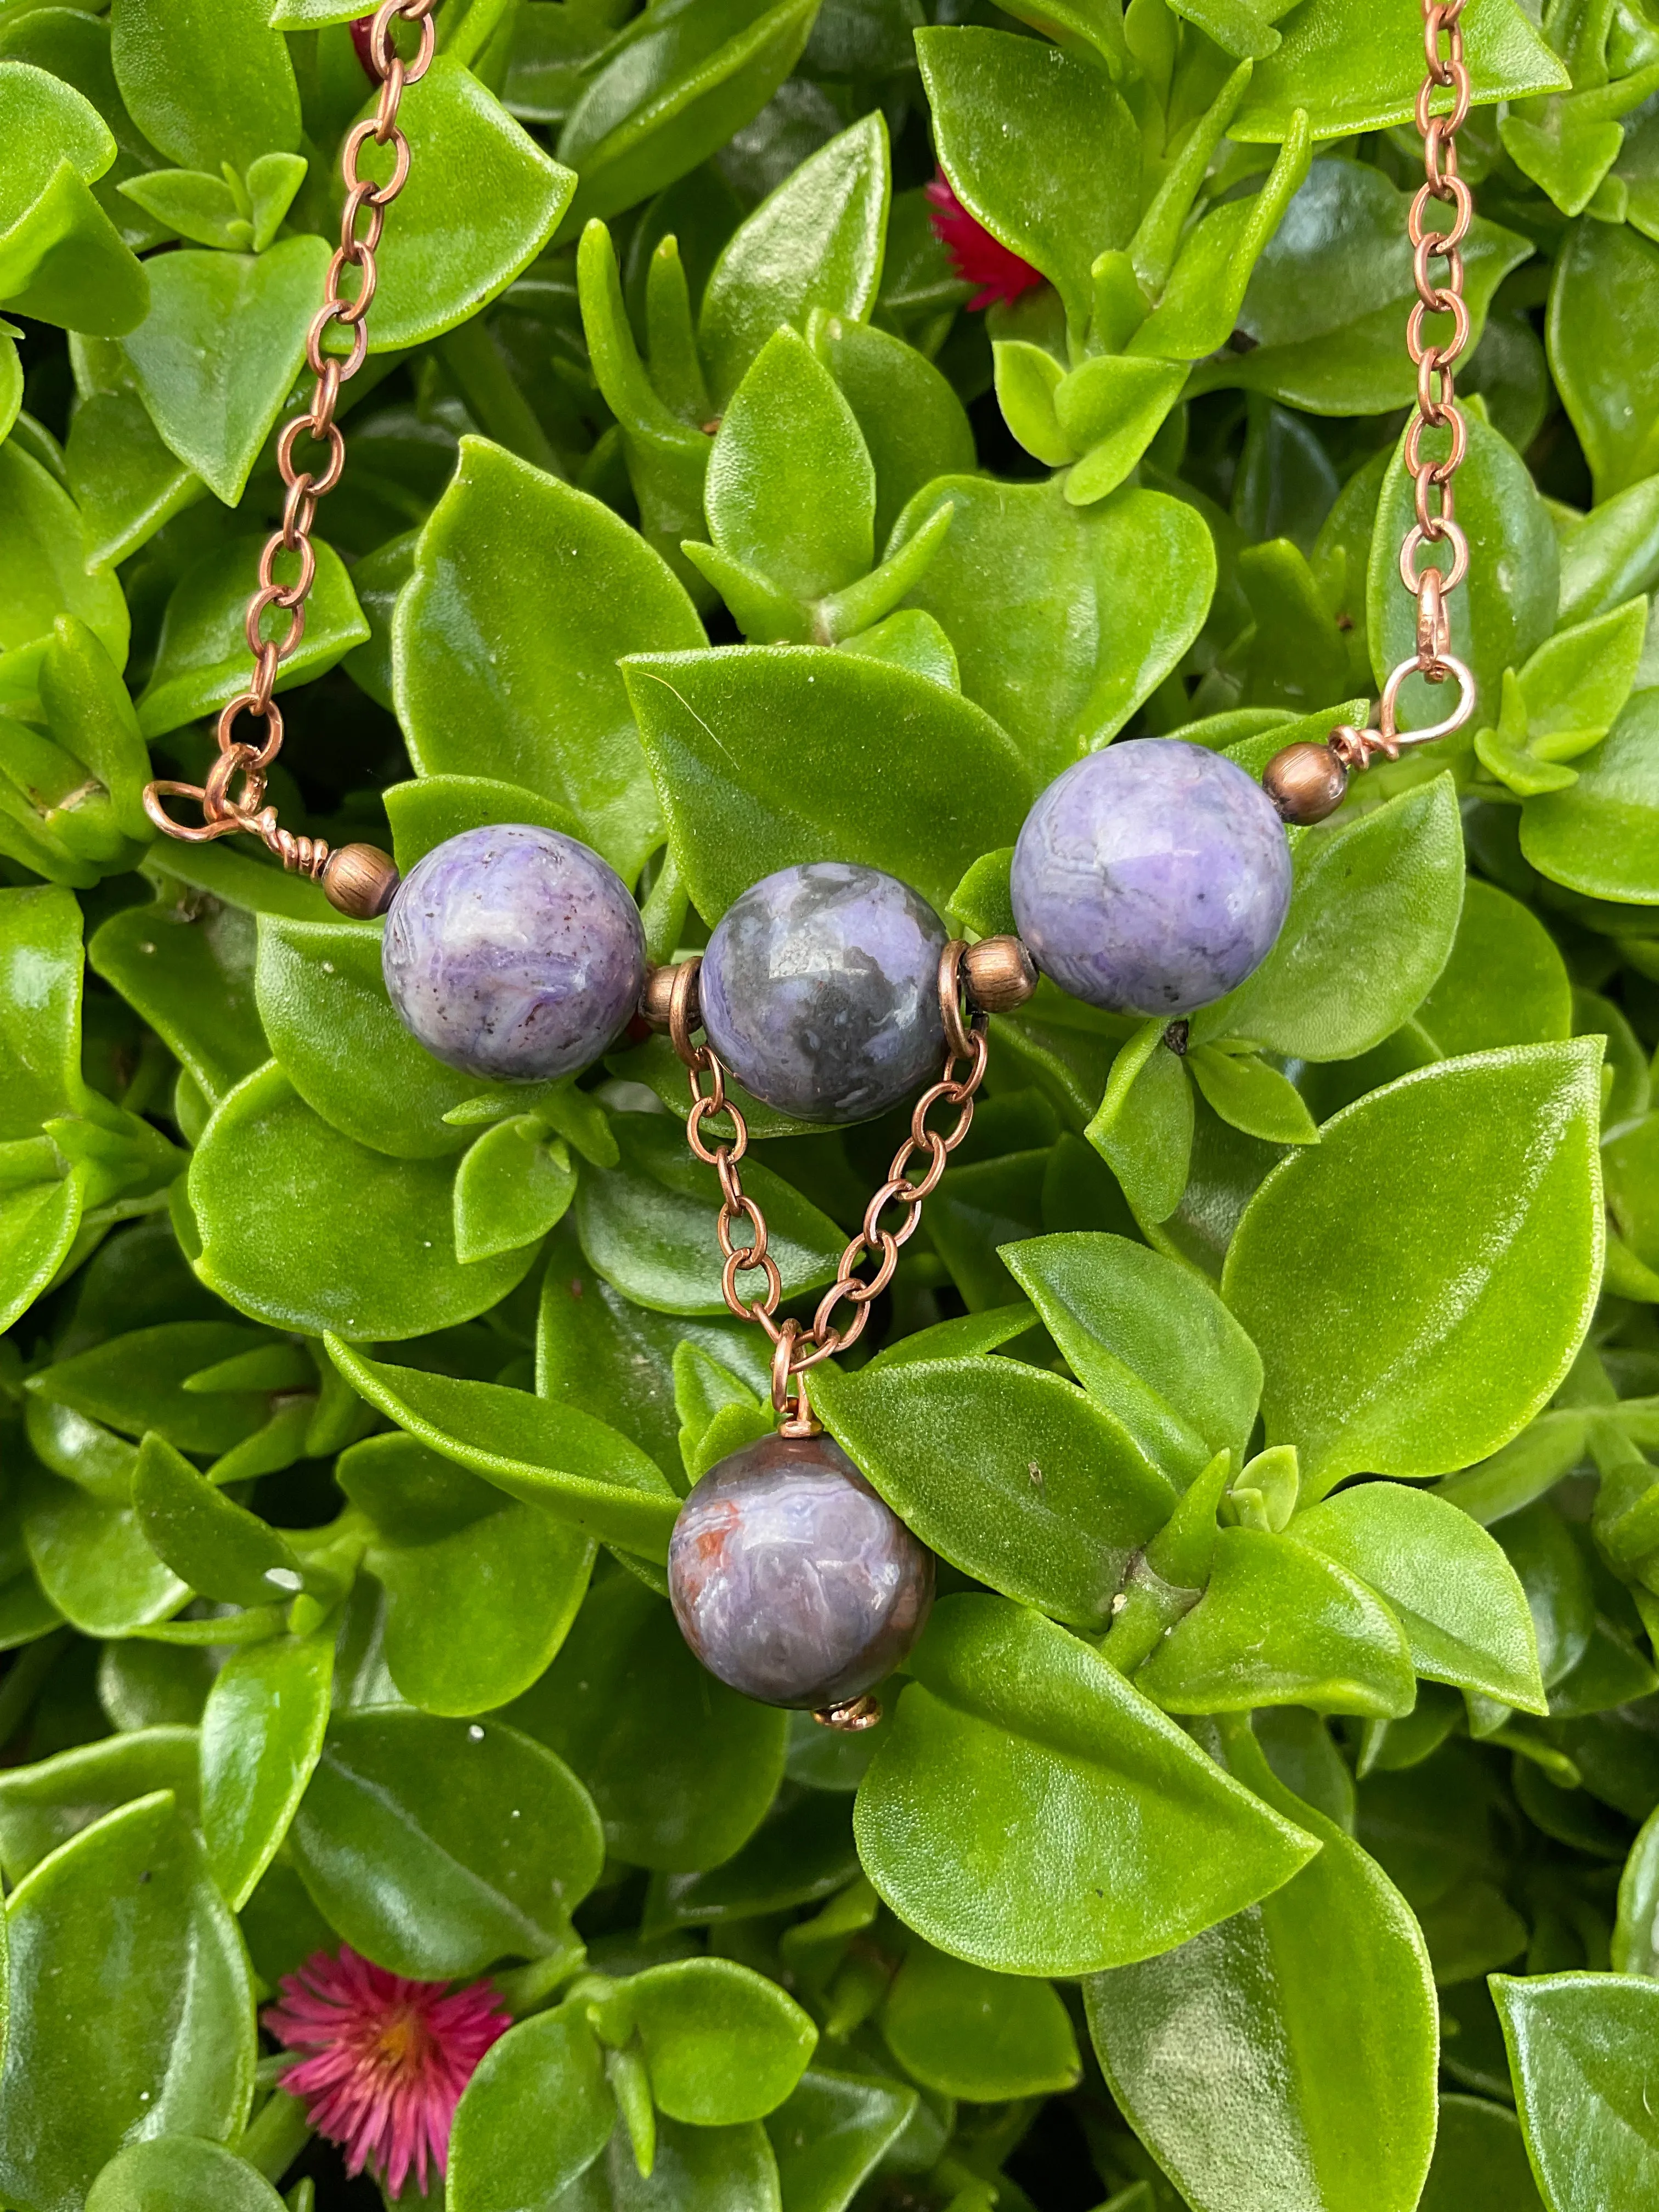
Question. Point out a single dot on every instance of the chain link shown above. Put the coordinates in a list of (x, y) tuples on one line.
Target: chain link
[(232, 797), (1436, 364), (795, 1348)]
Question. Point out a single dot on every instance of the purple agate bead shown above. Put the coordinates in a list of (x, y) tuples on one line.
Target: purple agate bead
[(791, 1579), (819, 990), (513, 952), (1152, 877)]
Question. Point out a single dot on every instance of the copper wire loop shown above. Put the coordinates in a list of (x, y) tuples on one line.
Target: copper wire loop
[(795, 1349), (1434, 497), (232, 797)]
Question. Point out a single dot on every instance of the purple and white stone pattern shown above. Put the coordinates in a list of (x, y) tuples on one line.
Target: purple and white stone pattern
[(1152, 877), (513, 952), (819, 990), (791, 1579)]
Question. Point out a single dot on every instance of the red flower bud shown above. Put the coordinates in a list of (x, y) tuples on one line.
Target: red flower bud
[(978, 259)]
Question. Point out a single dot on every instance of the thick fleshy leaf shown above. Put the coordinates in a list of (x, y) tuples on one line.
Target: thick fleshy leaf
[(1480, 2162), (482, 201), (1357, 69), (1039, 148), (526, 593), (1375, 903), (965, 2033), (548, 1455), (1601, 320), (62, 260), (1327, 298), (323, 1005), (831, 2135), (215, 405), (43, 564), (286, 1252), (1580, 2048), (1448, 1229), (1456, 1596), (723, 2044), (765, 756), (1276, 1625), (667, 97), (481, 1590), (1011, 1473), (262, 1735), (550, 2064), (681, 1768), (1148, 1339), (818, 242), (648, 1226), (206, 81), (178, 2173), (1505, 982), (438, 1846), (1600, 836), (122, 1954), (1260, 2078), (1032, 1813), (1063, 619), (43, 1805)]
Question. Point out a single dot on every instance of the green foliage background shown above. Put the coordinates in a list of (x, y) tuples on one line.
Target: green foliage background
[(346, 1407)]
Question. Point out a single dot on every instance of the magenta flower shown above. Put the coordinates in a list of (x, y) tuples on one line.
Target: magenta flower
[(980, 258), (383, 2061)]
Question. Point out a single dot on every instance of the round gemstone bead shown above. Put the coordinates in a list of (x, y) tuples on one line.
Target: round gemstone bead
[(791, 1579), (1152, 877), (513, 952), (819, 990)]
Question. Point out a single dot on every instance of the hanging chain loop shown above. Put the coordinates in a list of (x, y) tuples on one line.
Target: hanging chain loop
[(233, 796), (795, 1348), (1435, 407)]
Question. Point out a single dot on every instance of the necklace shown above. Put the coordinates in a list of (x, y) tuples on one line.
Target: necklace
[(1150, 878)]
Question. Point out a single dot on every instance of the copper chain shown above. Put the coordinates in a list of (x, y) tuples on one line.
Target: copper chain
[(1437, 398), (1436, 406), (796, 1349), (232, 797)]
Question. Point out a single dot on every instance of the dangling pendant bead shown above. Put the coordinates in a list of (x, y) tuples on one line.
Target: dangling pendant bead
[(794, 1581), (1305, 782)]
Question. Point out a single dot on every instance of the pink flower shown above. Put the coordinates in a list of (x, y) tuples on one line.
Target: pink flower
[(980, 258), (383, 2060)]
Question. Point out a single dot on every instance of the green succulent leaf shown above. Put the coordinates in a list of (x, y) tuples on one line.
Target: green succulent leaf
[(817, 242), (215, 410), (1354, 2125), (681, 1768), (1322, 1236), (1039, 148), (261, 1735), (438, 1846), (1042, 1493), (512, 552), (767, 755), (285, 1253), (126, 1931), (1574, 2044), (1015, 1735)]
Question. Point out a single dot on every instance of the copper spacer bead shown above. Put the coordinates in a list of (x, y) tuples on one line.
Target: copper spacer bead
[(657, 998), (1305, 782), (360, 880), (998, 974)]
